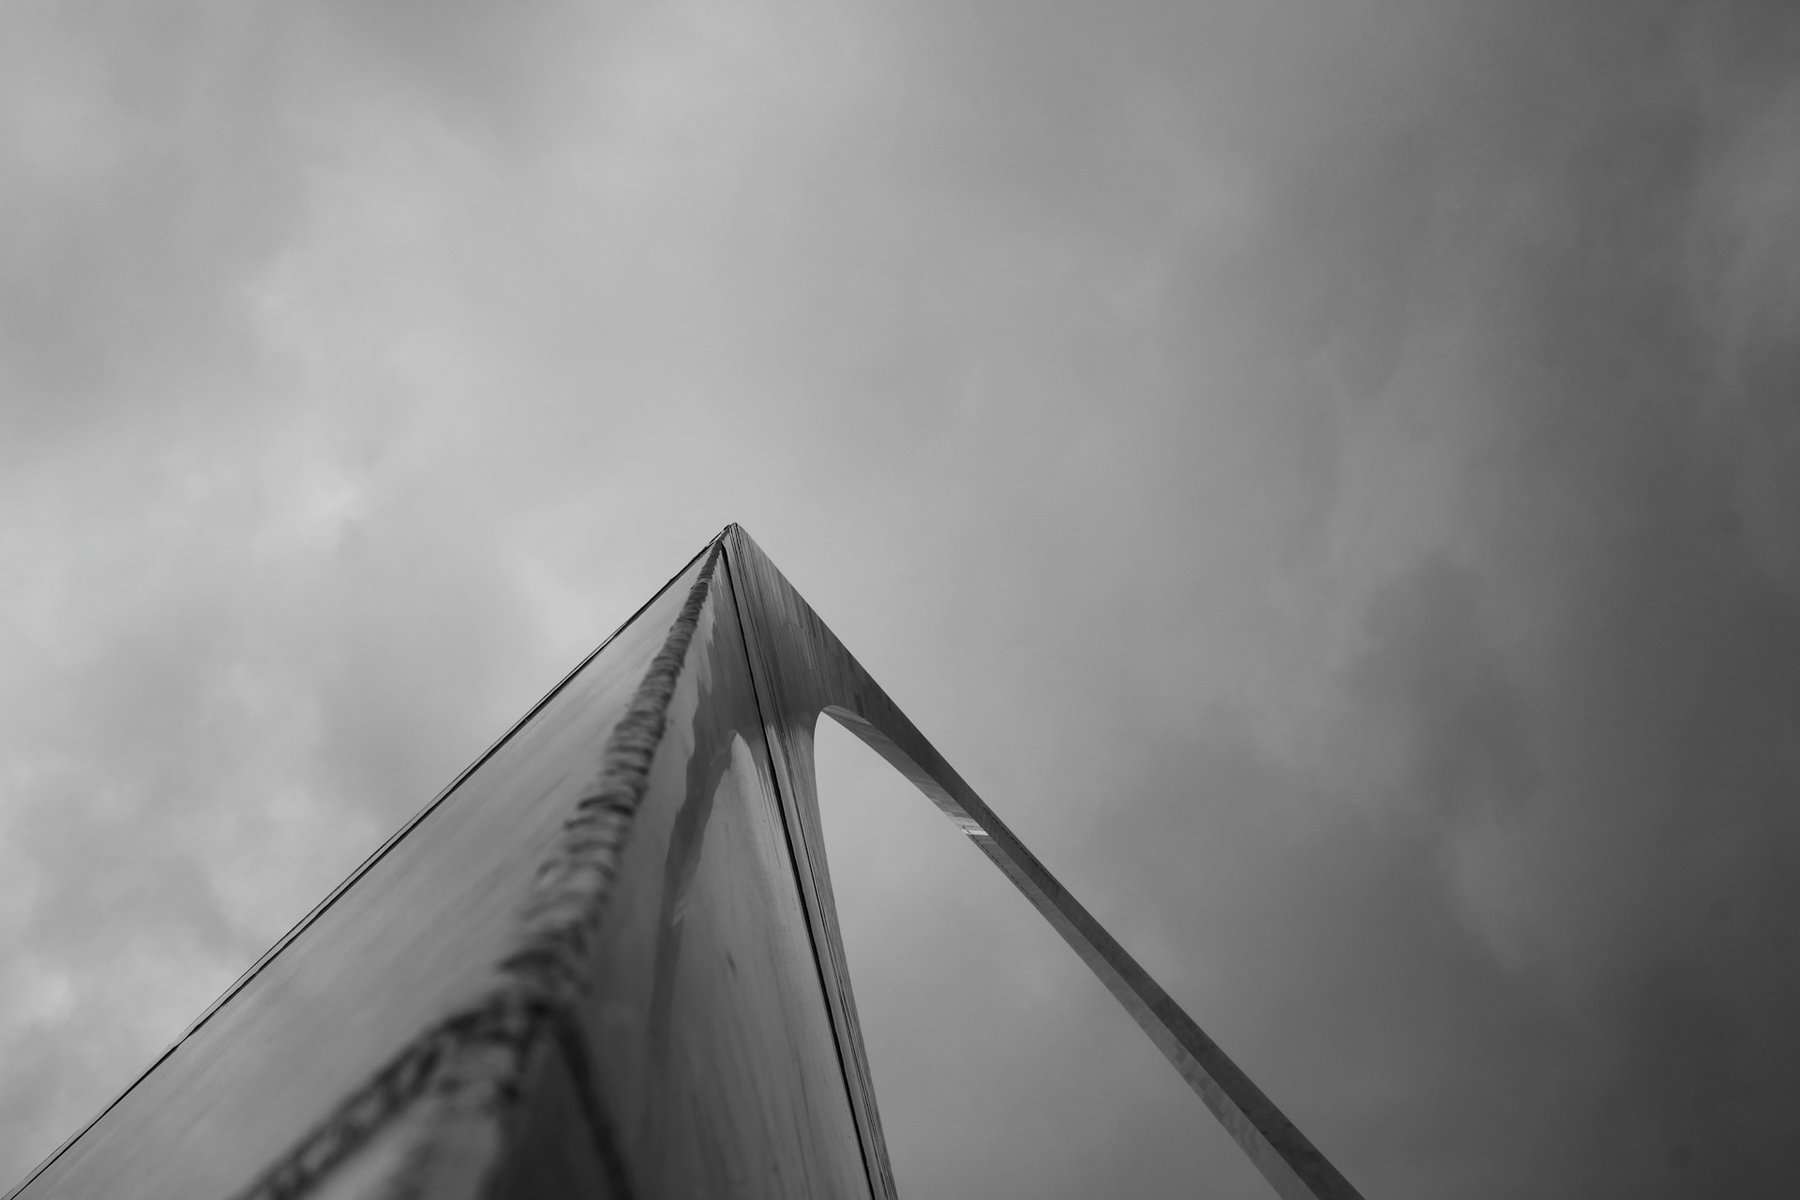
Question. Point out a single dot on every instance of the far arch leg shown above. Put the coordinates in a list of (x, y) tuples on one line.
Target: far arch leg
[(801, 670)]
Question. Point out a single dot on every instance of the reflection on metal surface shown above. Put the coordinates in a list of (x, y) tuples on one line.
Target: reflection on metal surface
[(606, 961)]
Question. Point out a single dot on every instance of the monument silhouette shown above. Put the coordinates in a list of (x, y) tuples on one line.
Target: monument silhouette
[(604, 962)]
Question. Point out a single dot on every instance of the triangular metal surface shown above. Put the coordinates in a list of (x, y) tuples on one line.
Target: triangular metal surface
[(605, 962)]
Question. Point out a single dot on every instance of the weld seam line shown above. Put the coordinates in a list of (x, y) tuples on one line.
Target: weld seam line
[(540, 983)]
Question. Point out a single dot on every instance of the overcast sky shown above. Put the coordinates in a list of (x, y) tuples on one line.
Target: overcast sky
[(1323, 470)]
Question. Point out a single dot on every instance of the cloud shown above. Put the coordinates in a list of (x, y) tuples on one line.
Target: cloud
[(147, 176), (1321, 470)]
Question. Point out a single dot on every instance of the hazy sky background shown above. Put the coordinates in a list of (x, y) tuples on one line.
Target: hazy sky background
[(1323, 470)]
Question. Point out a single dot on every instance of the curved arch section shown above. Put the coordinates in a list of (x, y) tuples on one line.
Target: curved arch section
[(801, 670)]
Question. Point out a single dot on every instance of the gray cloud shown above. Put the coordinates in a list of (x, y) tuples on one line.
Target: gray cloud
[(1321, 470)]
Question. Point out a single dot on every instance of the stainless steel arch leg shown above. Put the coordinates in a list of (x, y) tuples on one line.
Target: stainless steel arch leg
[(801, 670)]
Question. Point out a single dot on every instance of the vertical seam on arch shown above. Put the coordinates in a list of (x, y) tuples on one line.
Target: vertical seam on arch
[(814, 935)]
